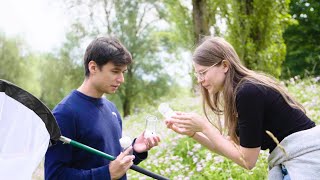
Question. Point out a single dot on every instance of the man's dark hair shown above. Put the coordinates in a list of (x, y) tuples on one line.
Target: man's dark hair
[(105, 49)]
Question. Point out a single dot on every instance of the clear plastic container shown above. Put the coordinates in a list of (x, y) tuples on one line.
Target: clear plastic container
[(151, 126)]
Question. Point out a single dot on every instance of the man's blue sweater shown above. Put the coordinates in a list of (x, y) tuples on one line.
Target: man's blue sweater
[(94, 122)]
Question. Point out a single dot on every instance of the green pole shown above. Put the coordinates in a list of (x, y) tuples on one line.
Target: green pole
[(109, 157), (87, 148)]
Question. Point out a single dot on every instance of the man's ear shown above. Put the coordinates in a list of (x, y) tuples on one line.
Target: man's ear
[(93, 67), (225, 66)]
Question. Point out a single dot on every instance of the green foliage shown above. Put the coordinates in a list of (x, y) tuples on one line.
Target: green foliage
[(302, 39), (18, 65), (12, 59), (255, 30), (134, 23), (46, 76), (179, 17), (59, 73), (145, 80), (307, 92)]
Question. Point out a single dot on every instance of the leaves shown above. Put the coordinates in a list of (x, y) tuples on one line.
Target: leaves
[(135, 23), (255, 29), (302, 40)]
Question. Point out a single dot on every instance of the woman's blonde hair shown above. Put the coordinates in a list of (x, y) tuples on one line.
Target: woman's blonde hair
[(214, 50)]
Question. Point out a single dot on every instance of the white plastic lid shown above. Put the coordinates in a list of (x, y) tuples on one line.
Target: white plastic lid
[(165, 110), (125, 142)]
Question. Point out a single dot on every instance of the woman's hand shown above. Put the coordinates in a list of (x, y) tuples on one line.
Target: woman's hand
[(187, 122), (178, 130)]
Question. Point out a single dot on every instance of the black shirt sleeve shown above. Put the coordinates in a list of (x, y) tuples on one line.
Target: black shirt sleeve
[(139, 156), (250, 106)]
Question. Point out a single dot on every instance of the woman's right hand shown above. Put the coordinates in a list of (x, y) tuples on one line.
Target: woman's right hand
[(178, 130), (188, 123)]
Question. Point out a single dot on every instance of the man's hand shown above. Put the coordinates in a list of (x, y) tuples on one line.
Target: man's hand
[(143, 144), (121, 164)]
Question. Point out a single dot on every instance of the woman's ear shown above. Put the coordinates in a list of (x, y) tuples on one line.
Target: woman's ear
[(225, 66)]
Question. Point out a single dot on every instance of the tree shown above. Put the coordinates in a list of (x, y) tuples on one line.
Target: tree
[(60, 73), (200, 18), (187, 22), (255, 29), (134, 23), (11, 55), (205, 15), (180, 31), (191, 21), (18, 65), (302, 39)]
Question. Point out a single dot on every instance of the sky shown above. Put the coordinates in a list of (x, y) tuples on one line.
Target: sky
[(41, 23)]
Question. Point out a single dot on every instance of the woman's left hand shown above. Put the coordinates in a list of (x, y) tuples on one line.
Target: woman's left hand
[(189, 121), (143, 144)]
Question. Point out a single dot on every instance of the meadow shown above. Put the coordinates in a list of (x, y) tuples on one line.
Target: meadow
[(179, 157)]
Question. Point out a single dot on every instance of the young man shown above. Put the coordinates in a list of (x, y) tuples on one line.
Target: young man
[(85, 116)]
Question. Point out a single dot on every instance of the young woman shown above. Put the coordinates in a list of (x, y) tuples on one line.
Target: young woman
[(256, 109)]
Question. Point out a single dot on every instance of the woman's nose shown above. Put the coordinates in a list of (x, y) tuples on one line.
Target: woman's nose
[(200, 79)]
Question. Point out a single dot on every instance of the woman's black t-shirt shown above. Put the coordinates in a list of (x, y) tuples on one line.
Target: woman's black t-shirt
[(261, 108)]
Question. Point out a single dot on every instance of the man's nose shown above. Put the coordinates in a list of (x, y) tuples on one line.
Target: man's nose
[(120, 78)]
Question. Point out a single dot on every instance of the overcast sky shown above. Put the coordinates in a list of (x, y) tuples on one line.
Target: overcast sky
[(41, 23)]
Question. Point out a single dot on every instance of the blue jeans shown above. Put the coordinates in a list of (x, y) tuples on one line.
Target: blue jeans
[(285, 173)]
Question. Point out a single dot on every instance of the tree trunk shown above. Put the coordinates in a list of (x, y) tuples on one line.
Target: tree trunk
[(126, 107), (246, 9), (200, 26), (127, 96), (200, 19)]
